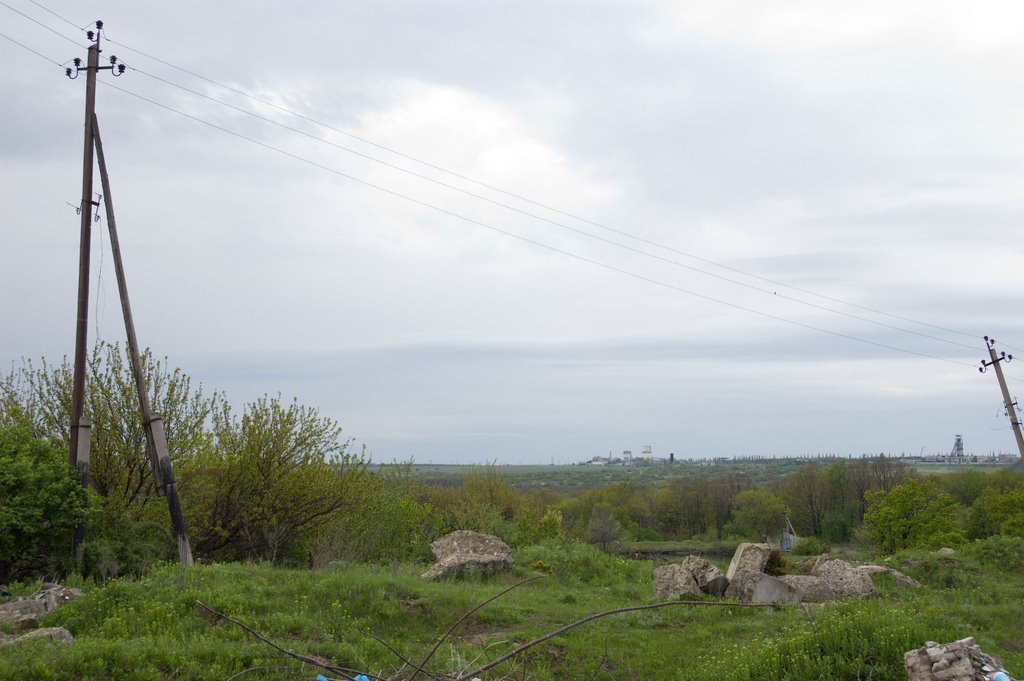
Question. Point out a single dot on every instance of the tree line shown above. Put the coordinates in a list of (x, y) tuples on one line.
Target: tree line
[(277, 481)]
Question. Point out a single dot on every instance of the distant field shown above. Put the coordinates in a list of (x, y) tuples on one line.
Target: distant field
[(944, 469), (578, 478)]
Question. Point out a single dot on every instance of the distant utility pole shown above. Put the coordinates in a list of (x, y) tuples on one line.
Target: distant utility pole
[(1011, 405), (80, 427)]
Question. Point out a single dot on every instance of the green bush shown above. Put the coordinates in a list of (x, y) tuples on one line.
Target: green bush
[(936, 570), (914, 514), (41, 501), (860, 640), (777, 564), (1004, 552), (581, 563), (810, 546)]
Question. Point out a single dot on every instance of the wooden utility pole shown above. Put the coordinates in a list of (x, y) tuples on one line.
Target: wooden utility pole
[(78, 455), (156, 442), (85, 242), (1011, 406)]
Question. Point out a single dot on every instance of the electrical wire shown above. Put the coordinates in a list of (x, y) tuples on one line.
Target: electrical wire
[(64, 19), (26, 47), (519, 237), (540, 218), (39, 23), (520, 198), (512, 234)]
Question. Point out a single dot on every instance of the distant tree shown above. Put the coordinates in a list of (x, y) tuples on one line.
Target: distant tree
[(758, 513), (870, 474), (841, 515), (806, 493), (914, 514), (603, 530)]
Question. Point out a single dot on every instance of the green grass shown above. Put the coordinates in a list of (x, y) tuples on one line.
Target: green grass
[(154, 629)]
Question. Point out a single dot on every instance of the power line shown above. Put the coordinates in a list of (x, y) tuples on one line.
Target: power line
[(64, 19), (548, 220), (26, 47), (528, 240), (39, 23), (525, 199)]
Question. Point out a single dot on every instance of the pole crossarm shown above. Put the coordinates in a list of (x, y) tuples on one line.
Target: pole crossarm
[(995, 361)]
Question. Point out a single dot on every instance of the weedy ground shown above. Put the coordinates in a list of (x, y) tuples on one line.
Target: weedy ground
[(369, 618)]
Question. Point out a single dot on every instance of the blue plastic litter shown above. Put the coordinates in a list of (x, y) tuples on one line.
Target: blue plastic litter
[(362, 677)]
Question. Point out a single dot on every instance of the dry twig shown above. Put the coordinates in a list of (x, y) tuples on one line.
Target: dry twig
[(462, 619), (598, 615), (347, 673)]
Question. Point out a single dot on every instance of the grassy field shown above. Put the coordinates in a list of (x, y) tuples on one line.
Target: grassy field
[(569, 479), (579, 478), (368, 618)]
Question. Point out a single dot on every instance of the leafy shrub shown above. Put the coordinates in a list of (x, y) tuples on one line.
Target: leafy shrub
[(124, 541), (777, 564), (997, 511), (41, 501), (810, 546), (1005, 552), (848, 641), (937, 570), (384, 523), (581, 563), (914, 514)]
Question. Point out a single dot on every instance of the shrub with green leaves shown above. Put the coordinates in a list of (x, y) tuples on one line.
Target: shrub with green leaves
[(581, 563), (914, 514), (1005, 552), (40, 503), (810, 546)]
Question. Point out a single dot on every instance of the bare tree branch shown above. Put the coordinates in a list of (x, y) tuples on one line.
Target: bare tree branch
[(347, 673), (606, 613), (397, 654), (462, 619)]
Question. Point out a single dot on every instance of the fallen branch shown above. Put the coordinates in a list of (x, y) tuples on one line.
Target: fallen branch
[(348, 674), (606, 613), (260, 668), (459, 621), (397, 654)]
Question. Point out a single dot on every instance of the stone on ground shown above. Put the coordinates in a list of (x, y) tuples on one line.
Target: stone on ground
[(956, 661), (905, 580), (671, 581), (845, 580), (56, 634), (752, 557), (708, 576), (811, 589), (757, 587), (464, 551)]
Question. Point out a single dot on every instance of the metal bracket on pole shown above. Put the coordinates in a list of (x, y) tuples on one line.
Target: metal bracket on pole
[(83, 438), (1011, 406)]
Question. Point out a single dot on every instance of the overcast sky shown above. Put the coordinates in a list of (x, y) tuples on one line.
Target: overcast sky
[(541, 231)]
